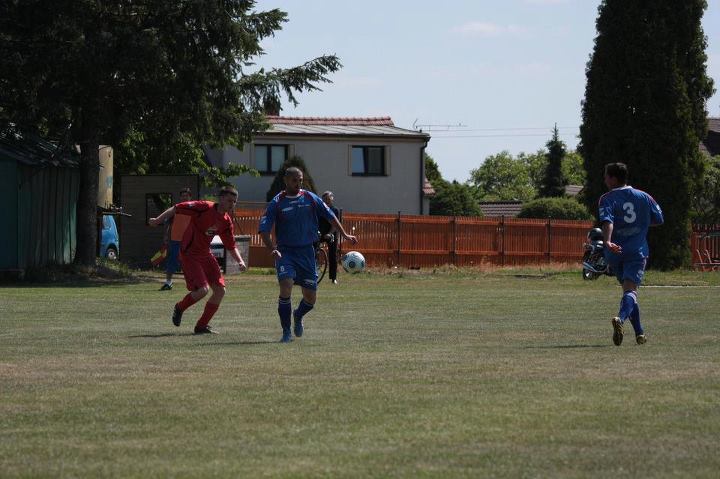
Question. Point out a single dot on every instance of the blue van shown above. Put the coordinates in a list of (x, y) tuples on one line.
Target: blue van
[(109, 238)]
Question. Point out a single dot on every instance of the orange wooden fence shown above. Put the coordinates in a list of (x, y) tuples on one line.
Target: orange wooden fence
[(705, 247), (410, 241)]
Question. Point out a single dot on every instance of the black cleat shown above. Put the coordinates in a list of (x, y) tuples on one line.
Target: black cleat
[(298, 329), (617, 331), (205, 330), (640, 339), (166, 287), (176, 316)]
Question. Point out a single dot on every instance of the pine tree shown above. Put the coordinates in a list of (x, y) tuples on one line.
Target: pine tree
[(278, 183), (554, 182), (645, 106)]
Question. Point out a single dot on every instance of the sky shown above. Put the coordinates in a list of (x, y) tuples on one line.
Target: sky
[(480, 76)]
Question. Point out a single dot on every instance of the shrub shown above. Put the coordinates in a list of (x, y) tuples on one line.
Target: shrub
[(556, 209)]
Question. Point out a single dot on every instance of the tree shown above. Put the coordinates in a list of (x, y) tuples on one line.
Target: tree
[(450, 199), (535, 163), (706, 200), (645, 106), (278, 183), (174, 75), (432, 171), (502, 177), (573, 169), (553, 182), (555, 208), (454, 199)]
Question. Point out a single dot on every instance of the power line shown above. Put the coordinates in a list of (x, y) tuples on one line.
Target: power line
[(435, 137)]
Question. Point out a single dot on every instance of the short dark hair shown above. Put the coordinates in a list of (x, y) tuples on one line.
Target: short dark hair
[(617, 170), (293, 171), (228, 190)]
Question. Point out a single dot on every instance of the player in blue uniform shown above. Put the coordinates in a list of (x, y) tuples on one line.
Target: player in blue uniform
[(626, 214), (295, 212)]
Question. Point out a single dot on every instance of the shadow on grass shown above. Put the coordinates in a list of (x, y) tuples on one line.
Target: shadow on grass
[(213, 343), (237, 343), (160, 335), (568, 346)]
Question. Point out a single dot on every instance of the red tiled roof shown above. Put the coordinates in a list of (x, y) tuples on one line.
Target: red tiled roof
[(339, 121), (428, 190), (501, 208)]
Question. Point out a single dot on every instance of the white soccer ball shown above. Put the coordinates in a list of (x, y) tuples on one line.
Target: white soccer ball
[(353, 262)]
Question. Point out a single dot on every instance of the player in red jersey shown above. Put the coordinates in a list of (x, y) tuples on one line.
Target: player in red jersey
[(201, 269)]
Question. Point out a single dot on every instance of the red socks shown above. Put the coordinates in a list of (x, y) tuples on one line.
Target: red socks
[(186, 302), (208, 313)]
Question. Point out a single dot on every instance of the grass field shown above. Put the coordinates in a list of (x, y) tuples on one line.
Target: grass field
[(453, 374)]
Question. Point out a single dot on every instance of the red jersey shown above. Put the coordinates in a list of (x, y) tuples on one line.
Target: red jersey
[(205, 222)]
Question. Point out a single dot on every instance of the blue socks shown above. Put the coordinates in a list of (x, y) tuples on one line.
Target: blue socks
[(630, 309), (303, 308), (635, 320), (285, 312)]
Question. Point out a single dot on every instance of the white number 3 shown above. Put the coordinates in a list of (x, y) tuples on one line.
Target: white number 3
[(630, 215)]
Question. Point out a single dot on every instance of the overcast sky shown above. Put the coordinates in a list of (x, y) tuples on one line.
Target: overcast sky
[(481, 76)]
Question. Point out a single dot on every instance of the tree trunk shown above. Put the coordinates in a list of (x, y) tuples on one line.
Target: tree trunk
[(87, 231)]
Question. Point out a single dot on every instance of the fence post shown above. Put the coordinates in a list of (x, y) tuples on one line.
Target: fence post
[(453, 257), (398, 239), (502, 240), (548, 227)]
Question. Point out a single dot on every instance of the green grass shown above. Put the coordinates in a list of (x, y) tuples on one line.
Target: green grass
[(453, 374)]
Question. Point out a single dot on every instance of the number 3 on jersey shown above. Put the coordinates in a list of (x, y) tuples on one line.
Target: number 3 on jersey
[(630, 215)]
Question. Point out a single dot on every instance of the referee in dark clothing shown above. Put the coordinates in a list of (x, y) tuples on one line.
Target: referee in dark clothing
[(329, 235)]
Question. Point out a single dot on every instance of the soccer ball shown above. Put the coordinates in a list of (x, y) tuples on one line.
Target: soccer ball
[(353, 262)]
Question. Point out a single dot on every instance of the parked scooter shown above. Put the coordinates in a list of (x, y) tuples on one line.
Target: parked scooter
[(594, 263)]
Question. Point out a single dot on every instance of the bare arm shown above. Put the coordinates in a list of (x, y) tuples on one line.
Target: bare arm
[(339, 227), (238, 259), (267, 240), (164, 216), (607, 229)]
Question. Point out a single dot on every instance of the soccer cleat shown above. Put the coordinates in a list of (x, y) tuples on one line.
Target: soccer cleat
[(334, 281), (205, 330), (166, 287), (640, 339), (287, 336), (177, 316), (617, 331), (298, 326)]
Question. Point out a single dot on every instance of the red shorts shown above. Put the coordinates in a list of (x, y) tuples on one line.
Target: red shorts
[(201, 271)]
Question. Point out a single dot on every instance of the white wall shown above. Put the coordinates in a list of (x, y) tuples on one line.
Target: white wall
[(328, 161)]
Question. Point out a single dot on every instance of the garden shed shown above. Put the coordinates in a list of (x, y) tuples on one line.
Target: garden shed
[(39, 186)]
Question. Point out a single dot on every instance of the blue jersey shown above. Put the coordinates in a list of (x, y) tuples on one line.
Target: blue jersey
[(295, 218), (631, 212)]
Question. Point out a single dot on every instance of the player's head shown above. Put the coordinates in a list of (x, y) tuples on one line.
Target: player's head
[(328, 197), (616, 175), (185, 195), (293, 180), (228, 190), (227, 198)]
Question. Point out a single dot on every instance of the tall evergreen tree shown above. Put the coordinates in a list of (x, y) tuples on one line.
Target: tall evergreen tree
[(278, 183), (554, 182), (645, 106), (175, 74)]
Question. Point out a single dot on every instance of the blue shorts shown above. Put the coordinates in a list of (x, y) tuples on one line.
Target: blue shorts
[(298, 263), (173, 255), (627, 268)]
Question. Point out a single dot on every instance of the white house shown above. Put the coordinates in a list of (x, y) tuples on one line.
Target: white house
[(371, 165)]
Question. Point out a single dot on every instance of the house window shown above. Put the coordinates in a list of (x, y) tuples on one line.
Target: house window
[(368, 161), (269, 158)]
